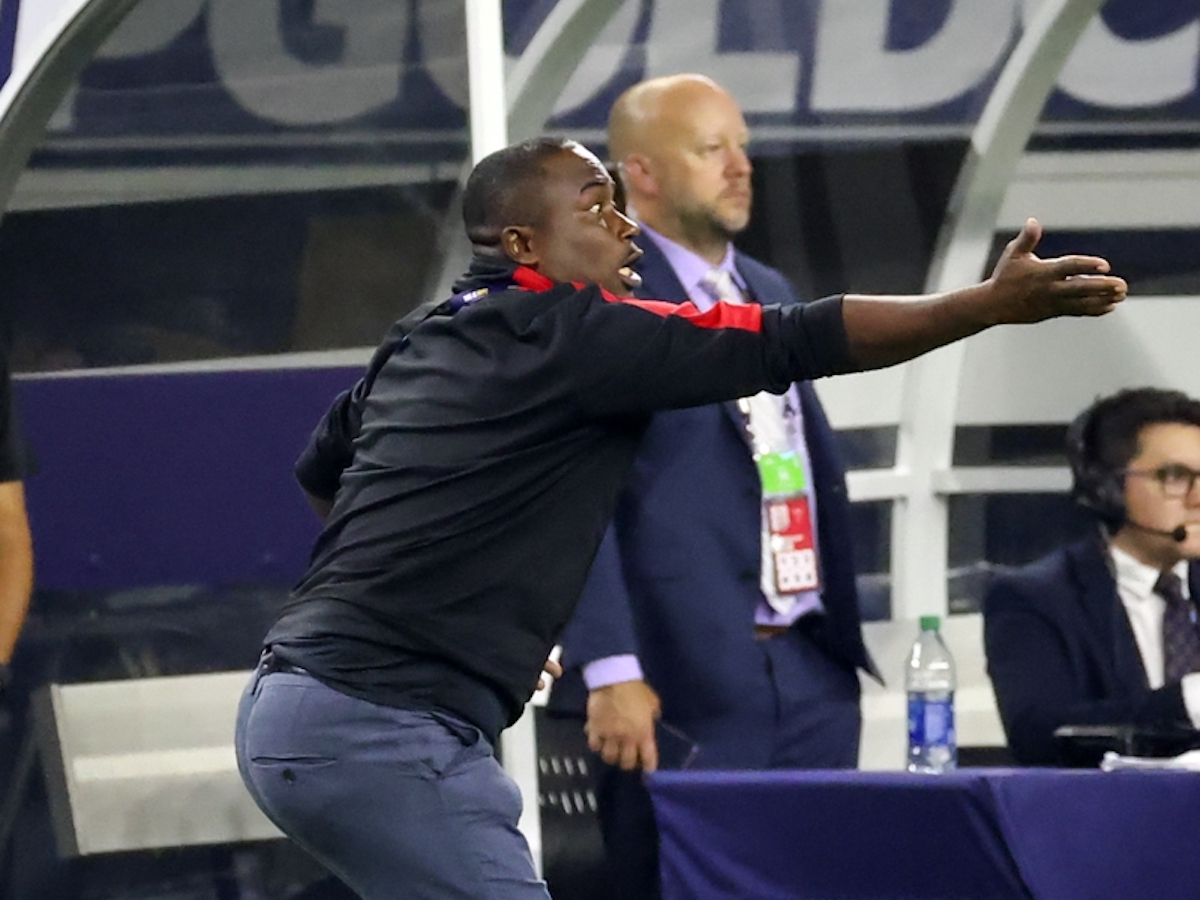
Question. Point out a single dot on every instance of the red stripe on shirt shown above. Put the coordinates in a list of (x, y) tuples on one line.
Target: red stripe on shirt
[(530, 280), (746, 316)]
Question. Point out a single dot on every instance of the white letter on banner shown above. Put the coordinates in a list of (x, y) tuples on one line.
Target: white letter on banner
[(1107, 70), (149, 27), (683, 38), (34, 18), (257, 69), (442, 25), (34, 36), (602, 60), (854, 71)]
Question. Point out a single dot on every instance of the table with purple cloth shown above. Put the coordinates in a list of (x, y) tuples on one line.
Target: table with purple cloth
[(974, 834)]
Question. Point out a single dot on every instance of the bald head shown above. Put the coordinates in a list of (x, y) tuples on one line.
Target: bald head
[(680, 147), (658, 105)]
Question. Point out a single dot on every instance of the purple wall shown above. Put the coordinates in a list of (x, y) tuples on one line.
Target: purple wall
[(172, 479)]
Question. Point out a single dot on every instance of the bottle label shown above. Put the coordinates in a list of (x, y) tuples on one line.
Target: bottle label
[(931, 721)]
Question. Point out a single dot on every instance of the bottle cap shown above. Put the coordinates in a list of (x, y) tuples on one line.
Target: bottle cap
[(930, 623)]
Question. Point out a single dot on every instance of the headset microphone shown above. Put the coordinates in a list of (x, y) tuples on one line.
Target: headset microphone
[(1178, 534)]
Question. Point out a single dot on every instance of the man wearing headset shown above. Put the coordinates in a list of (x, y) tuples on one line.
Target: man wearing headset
[(1103, 631)]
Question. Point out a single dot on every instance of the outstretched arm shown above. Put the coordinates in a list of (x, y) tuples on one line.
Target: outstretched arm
[(883, 330)]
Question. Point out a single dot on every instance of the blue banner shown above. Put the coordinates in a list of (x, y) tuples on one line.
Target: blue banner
[(386, 77)]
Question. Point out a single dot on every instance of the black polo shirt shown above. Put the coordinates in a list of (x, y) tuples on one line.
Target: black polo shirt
[(477, 465)]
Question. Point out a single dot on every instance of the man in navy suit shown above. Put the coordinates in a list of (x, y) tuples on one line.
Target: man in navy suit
[(1103, 631), (689, 620)]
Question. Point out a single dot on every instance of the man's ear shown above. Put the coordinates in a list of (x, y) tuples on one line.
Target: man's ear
[(638, 170), (517, 243)]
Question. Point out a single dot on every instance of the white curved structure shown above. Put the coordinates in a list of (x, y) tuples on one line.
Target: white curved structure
[(54, 41), (927, 418)]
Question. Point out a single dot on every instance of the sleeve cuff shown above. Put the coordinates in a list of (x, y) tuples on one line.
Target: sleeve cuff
[(612, 670)]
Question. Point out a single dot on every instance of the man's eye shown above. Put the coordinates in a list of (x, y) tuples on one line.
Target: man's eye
[(1174, 474), (596, 208)]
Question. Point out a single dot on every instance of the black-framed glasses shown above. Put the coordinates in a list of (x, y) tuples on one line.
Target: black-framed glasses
[(1175, 479)]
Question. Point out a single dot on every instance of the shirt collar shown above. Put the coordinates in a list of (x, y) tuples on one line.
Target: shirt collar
[(690, 267), (1136, 579)]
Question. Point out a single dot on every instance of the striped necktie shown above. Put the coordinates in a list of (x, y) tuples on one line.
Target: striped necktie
[(1181, 640), (719, 285)]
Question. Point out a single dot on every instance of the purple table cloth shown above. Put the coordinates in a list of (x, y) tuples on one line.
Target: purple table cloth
[(975, 834)]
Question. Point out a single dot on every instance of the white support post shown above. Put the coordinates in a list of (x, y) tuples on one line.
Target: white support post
[(485, 78), (489, 132)]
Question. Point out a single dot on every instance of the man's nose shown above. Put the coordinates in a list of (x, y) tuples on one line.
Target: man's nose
[(738, 162), (1192, 497), (626, 227)]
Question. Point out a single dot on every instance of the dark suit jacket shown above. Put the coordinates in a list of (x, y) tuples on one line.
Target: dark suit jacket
[(1060, 651), (677, 578)]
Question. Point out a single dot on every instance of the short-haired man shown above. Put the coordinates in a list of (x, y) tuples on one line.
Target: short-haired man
[(469, 478), (1103, 632)]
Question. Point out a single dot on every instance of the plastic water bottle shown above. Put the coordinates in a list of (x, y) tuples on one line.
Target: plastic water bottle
[(929, 680)]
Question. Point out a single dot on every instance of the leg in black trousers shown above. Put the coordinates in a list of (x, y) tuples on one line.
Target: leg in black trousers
[(630, 832)]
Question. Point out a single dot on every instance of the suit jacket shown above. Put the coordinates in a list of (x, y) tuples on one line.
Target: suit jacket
[(1060, 651), (677, 577)]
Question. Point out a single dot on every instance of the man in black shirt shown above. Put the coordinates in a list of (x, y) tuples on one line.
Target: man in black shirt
[(468, 480)]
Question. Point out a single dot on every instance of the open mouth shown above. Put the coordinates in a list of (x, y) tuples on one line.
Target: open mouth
[(630, 278)]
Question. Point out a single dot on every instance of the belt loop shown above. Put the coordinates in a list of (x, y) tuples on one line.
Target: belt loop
[(261, 668)]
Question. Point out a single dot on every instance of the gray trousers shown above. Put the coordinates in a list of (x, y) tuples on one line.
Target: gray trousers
[(397, 803)]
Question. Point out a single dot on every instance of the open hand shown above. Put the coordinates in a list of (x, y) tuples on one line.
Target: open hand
[(1029, 289)]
